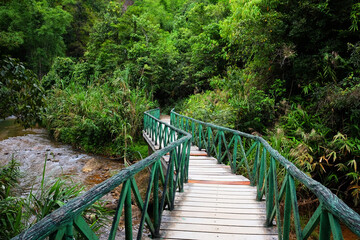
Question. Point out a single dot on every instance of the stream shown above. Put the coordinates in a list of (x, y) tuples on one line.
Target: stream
[(32, 147)]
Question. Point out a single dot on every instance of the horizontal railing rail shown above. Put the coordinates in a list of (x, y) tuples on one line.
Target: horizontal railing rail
[(163, 183), (260, 162)]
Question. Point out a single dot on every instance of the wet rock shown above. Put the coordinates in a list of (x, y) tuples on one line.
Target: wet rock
[(111, 205), (91, 165), (38, 148)]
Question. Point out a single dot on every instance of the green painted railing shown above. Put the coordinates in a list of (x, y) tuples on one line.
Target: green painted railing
[(162, 186), (262, 163)]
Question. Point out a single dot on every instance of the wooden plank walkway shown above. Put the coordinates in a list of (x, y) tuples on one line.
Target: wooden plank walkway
[(215, 204)]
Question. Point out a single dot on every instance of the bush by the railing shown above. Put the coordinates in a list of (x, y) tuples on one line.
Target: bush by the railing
[(99, 118), (251, 111), (211, 106)]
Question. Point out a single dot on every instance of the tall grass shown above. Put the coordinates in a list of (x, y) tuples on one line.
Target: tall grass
[(10, 206), (19, 213)]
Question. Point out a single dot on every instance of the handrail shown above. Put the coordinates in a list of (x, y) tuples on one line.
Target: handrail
[(225, 148), (61, 223)]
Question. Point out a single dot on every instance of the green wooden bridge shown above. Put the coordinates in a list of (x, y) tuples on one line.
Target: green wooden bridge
[(194, 193)]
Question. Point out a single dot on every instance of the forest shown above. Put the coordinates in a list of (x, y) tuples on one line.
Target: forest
[(286, 70)]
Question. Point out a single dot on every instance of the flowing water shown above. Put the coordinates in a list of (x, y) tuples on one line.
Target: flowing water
[(32, 147)]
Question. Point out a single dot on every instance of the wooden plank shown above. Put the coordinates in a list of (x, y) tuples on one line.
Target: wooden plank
[(225, 190), (210, 170), (203, 164), (218, 200), (218, 187), (198, 153), (215, 191), (218, 229), (222, 196), (215, 221), (217, 170), (236, 188), (254, 205), (194, 148), (192, 158), (207, 165), (209, 173), (219, 192), (220, 182), (176, 213), (220, 175), (218, 166), (194, 185), (219, 196), (221, 166), (221, 210), (215, 178), (192, 235), (207, 162)]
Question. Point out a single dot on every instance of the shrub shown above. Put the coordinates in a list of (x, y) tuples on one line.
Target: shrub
[(60, 74), (102, 119), (254, 110), (210, 106)]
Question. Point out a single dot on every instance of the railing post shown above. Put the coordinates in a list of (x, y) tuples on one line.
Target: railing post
[(255, 168), (270, 197), (219, 147), (233, 165), (276, 196), (192, 132), (69, 233), (171, 179), (287, 212), (208, 147), (335, 227), (324, 226), (128, 215), (294, 202), (116, 220), (156, 201), (200, 131), (182, 166), (187, 161), (262, 173)]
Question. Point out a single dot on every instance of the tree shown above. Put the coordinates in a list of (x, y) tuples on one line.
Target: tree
[(21, 93), (32, 31)]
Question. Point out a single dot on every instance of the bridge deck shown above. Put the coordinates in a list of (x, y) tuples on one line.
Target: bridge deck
[(215, 204)]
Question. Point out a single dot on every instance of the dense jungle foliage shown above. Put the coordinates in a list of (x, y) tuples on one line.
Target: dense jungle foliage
[(288, 70)]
